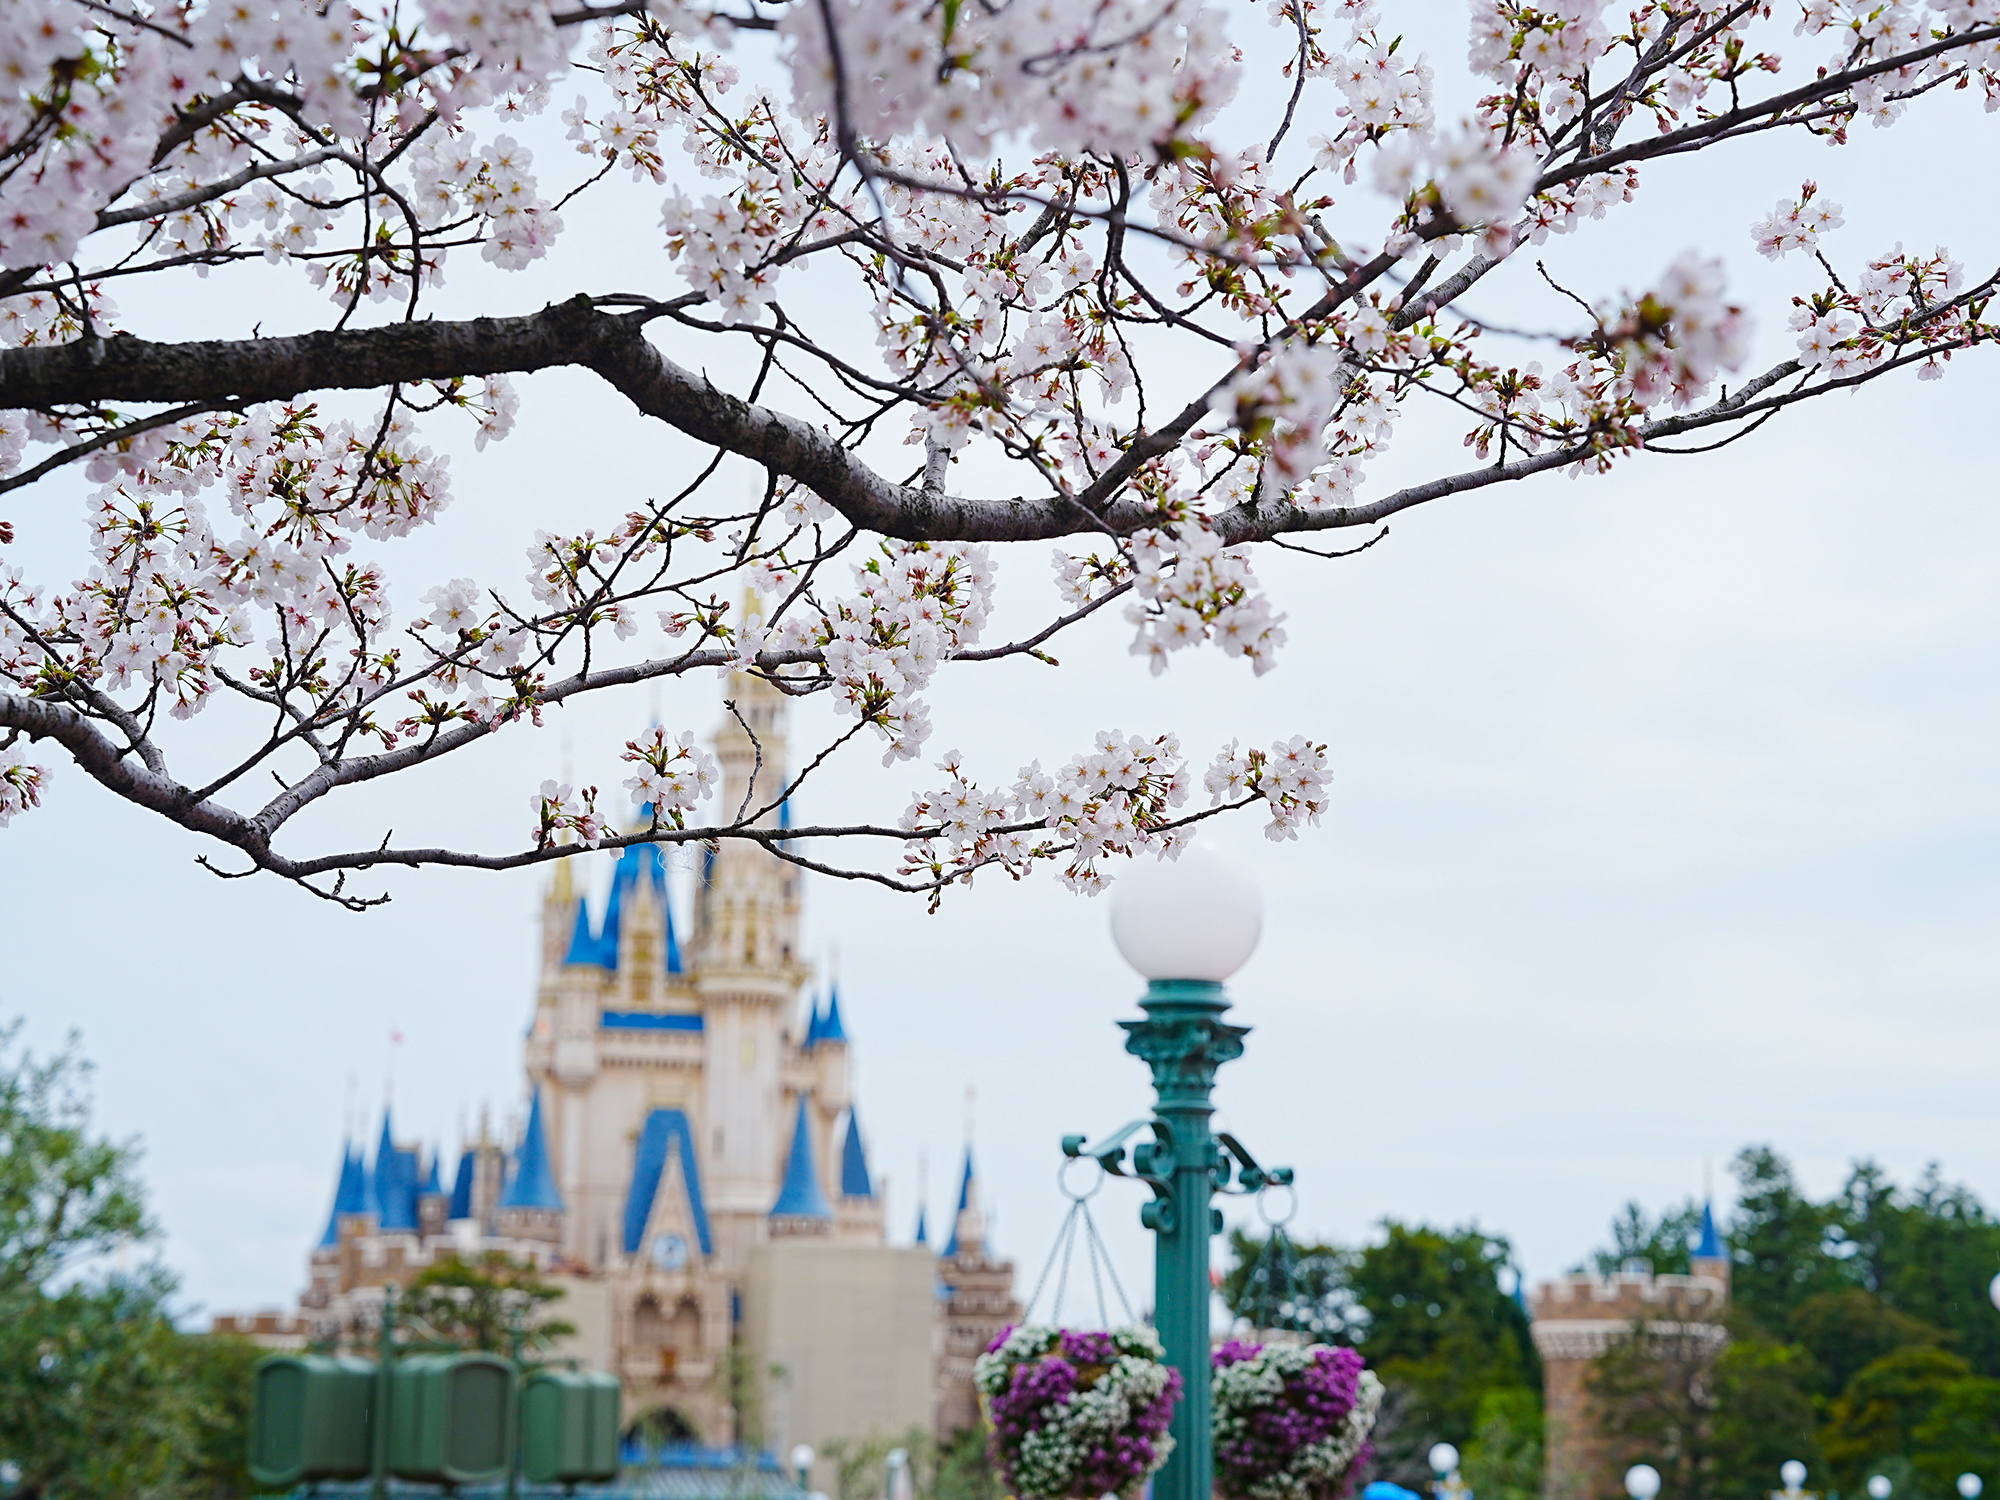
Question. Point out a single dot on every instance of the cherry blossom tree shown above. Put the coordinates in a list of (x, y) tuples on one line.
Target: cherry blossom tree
[(1177, 296)]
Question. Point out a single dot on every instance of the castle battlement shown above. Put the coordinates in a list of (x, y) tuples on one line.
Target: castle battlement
[(1625, 1296)]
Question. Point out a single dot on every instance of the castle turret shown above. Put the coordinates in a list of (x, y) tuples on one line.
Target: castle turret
[(801, 1207), (1710, 1257), (350, 1194), (393, 1184), (531, 1207), (1576, 1319), (968, 1225), (860, 1213), (433, 1202)]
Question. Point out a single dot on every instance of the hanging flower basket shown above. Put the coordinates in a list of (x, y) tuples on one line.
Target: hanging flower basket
[(1291, 1421), (1077, 1415)]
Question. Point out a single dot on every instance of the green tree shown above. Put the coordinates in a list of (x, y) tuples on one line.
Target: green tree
[(1662, 1243), (1653, 1392), (482, 1303), (1504, 1459), (100, 1394), (1426, 1309), (963, 1470), (217, 1370), (1888, 1401), (1930, 1253), (91, 1395), (1960, 1435), (1437, 1321), (1781, 1242), (65, 1195), (1846, 1330), (1764, 1414)]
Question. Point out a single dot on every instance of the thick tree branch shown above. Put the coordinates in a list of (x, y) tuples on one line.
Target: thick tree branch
[(575, 332)]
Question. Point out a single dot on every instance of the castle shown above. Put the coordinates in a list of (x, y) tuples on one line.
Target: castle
[(1576, 1319), (692, 1170)]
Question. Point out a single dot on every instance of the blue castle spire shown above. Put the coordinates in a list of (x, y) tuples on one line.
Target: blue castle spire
[(582, 941), (830, 1029), (393, 1184), (532, 1184), (431, 1182), (964, 1201), (801, 1197), (923, 1227), (1709, 1246), (350, 1193), (854, 1179), (461, 1187)]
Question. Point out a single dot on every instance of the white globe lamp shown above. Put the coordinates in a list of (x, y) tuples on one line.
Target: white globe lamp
[(1969, 1485), (1194, 918), (1794, 1474), (1993, 1289), (1879, 1487), (1642, 1482), (802, 1462), (1444, 1459)]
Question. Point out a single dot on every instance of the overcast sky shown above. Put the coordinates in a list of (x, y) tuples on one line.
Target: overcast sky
[(1664, 819)]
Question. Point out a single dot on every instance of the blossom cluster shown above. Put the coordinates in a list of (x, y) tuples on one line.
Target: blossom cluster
[(20, 783), (1671, 343), (1291, 1421), (1796, 224), (1191, 588), (1291, 776), (673, 776), (1119, 78), (563, 813), (916, 605), (1284, 404), (1117, 800), (1077, 1416), (1897, 306)]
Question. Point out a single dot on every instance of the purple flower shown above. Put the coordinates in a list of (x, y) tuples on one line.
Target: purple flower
[(1311, 1406), (1040, 1385)]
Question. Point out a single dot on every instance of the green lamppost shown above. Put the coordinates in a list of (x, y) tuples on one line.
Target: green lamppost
[(1185, 926)]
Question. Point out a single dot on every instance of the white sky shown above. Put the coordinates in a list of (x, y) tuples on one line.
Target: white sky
[(1664, 818)]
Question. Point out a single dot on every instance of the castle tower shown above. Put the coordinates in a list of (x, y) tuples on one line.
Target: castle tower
[(747, 972), (1578, 1318)]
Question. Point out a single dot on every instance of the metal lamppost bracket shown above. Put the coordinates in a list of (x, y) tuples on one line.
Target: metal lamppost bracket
[(1153, 1163), (1250, 1178)]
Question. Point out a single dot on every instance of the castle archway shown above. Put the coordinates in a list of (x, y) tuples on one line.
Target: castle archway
[(658, 1428)]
